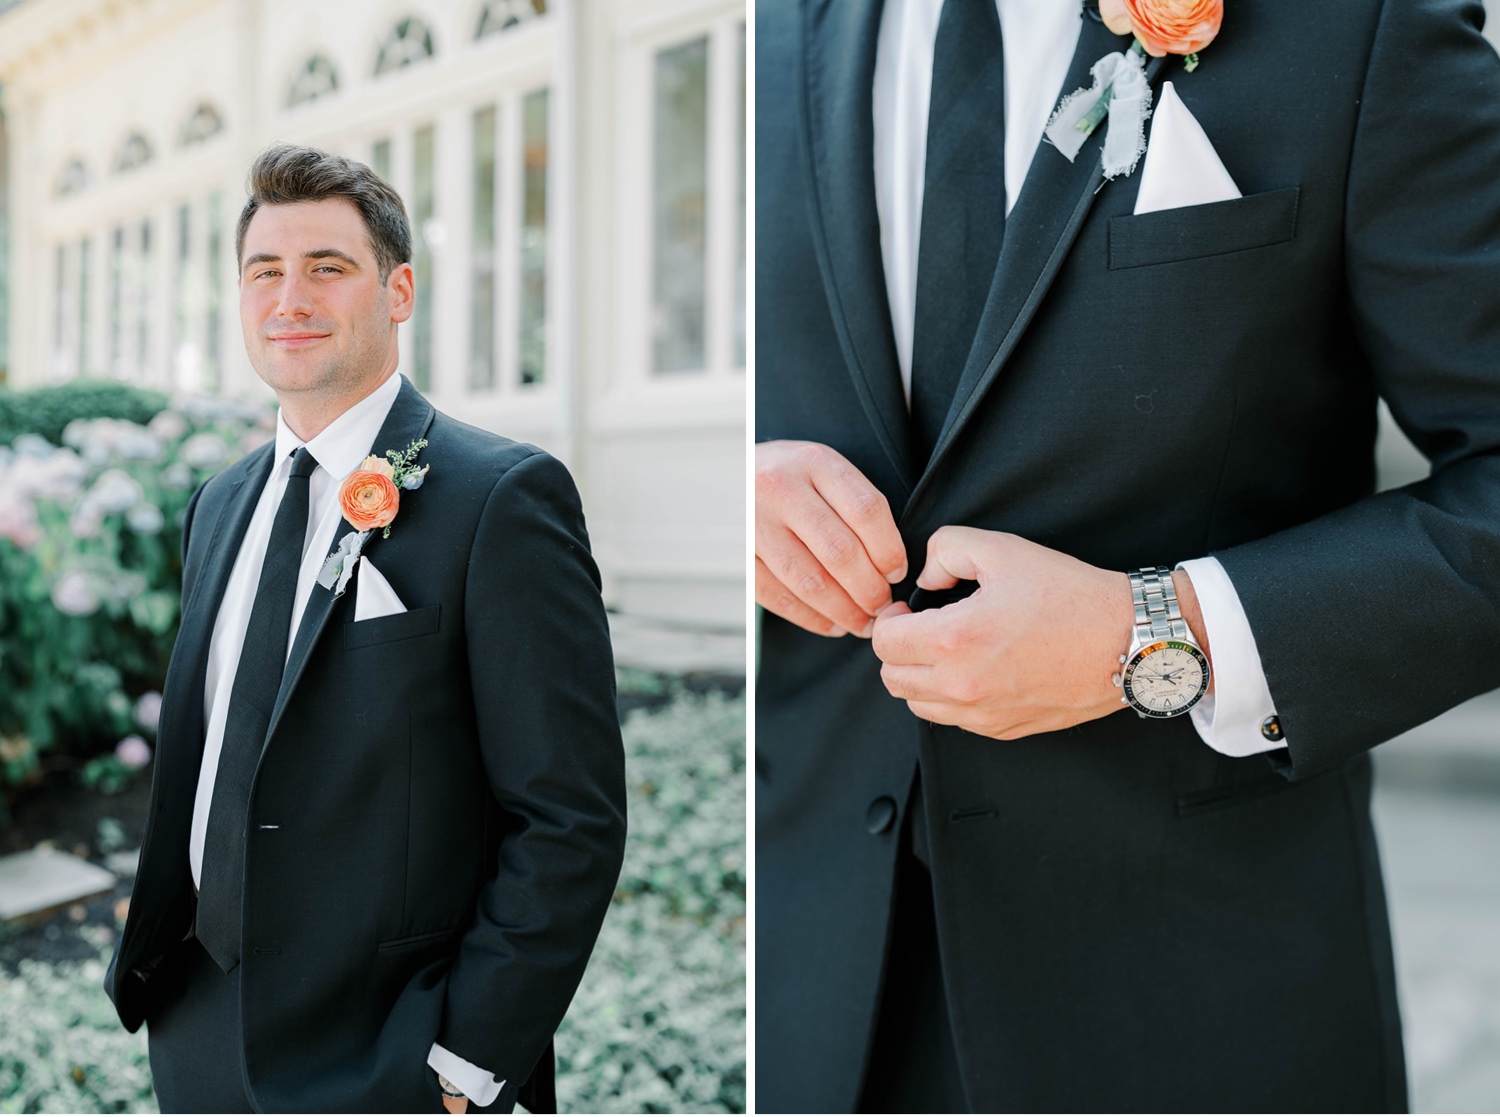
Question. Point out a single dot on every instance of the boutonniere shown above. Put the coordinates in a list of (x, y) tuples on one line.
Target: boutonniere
[(1120, 90), (370, 497)]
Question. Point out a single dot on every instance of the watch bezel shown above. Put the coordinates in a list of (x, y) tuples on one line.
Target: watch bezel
[(1157, 645)]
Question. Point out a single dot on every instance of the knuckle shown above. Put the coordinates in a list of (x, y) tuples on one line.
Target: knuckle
[(772, 484), (814, 456), (836, 549), (867, 506), (811, 583)]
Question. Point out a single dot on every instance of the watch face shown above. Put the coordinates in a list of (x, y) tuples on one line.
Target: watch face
[(1166, 678)]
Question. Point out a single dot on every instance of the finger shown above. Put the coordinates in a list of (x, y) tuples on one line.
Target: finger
[(951, 557), (838, 550), (911, 682), (906, 638), (798, 570), (940, 713), (865, 510), (771, 595)]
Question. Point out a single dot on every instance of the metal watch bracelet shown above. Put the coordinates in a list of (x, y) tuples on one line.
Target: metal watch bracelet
[(1157, 613)]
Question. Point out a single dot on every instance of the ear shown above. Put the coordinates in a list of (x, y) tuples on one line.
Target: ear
[(400, 291)]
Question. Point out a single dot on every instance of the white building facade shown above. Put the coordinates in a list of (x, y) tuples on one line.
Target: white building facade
[(575, 175)]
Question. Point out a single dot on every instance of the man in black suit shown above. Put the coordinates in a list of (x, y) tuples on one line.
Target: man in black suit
[(977, 887), (371, 877)]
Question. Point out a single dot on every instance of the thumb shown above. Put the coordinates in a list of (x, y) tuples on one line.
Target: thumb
[(953, 556)]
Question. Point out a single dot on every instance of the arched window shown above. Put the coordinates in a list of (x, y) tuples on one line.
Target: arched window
[(498, 15), (134, 152), (72, 179), (409, 41), (203, 124), (317, 78)]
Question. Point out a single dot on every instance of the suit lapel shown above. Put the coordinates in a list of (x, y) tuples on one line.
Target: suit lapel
[(838, 74), (408, 420), (189, 664), (1040, 231)]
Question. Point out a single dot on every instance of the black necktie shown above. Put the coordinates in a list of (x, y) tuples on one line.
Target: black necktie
[(963, 207), (256, 682)]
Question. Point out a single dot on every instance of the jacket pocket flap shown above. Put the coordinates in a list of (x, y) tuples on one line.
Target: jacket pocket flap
[(1213, 229), (396, 626)]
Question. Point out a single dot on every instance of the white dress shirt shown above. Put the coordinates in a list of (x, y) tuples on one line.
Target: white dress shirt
[(338, 449), (1040, 38)]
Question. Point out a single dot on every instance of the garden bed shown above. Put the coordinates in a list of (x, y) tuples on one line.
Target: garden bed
[(658, 1024)]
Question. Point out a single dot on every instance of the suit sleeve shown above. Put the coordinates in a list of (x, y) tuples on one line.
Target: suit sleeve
[(543, 680), (1385, 613)]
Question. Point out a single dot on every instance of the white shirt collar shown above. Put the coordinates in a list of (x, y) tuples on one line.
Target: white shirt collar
[(345, 442)]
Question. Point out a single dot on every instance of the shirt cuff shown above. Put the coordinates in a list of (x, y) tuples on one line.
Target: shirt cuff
[(1229, 720), (479, 1085)]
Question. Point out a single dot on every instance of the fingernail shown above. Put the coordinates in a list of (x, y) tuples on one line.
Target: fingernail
[(837, 631), (896, 576), (868, 630)]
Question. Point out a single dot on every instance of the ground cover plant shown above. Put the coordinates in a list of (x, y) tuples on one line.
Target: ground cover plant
[(658, 1025)]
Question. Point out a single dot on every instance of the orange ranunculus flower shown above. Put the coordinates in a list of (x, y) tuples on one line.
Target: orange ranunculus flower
[(369, 499), (1166, 26)]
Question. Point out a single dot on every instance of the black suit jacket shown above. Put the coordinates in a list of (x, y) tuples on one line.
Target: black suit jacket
[(1128, 919), (445, 785)]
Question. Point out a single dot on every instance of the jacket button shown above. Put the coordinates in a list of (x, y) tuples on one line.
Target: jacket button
[(881, 815), (1270, 729)]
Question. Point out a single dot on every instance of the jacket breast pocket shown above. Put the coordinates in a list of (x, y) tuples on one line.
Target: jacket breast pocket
[(397, 626), (1193, 232)]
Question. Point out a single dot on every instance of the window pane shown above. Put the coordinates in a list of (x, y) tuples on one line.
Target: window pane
[(680, 190), (534, 239), (739, 272), (143, 303), (85, 248), (180, 348), (380, 159), (60, 310), (214, 268), (424, 150), (116, 300), (482, 309)]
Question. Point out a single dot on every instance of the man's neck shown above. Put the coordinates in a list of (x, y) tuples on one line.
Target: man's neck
[(309, 414)]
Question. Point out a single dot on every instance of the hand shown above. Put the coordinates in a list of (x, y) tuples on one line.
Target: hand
[(826, 546), (455, 1105), (1031, 651)]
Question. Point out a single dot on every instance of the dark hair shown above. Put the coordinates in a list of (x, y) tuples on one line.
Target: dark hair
[(285, 174)]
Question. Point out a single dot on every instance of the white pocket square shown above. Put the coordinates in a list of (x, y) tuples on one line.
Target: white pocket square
[(373, 596), (1182, 168)]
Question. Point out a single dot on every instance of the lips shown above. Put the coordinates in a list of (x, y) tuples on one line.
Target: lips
[(295, 340)]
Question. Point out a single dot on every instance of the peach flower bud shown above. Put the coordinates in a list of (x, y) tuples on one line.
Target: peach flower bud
[(1174, 26), (369, 499), (378, 465), (1116, 16)]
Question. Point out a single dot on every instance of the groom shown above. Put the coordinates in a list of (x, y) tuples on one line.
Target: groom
[(983, 883), (388, 808)]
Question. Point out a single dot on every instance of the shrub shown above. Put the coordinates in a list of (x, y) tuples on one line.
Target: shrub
[(47, 411), (90, 574)]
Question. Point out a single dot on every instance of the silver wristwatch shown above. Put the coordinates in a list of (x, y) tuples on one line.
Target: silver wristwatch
[(1164, 673)]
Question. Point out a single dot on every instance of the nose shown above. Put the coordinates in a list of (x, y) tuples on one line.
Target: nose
[(294, 299)]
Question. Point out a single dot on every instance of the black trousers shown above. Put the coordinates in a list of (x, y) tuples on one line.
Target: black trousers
[(913, 1065), (193, 1028)]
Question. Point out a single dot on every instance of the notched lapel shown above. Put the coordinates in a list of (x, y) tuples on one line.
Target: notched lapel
[(838, 75), (408, 420), (1043, 224)]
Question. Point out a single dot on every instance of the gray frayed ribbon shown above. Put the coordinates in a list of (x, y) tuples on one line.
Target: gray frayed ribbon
[(339, 566), (1122, 77)]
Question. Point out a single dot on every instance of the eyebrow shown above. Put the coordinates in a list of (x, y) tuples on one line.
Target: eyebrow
[(314, 254)]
